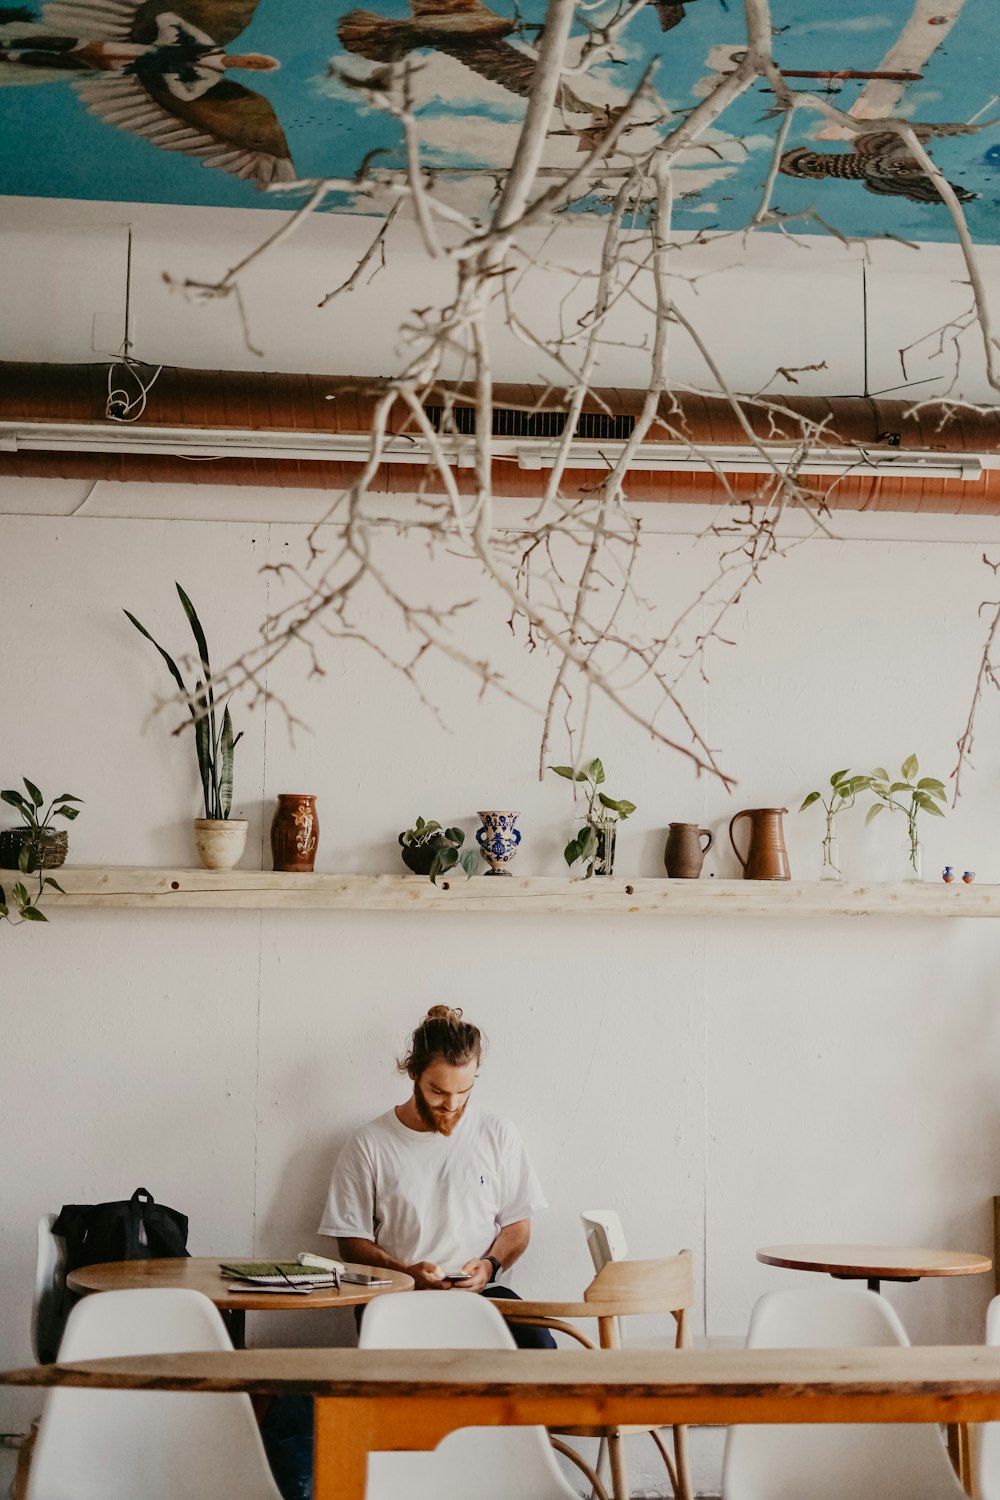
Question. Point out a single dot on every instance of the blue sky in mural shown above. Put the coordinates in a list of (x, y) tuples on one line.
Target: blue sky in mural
[(66, 90)]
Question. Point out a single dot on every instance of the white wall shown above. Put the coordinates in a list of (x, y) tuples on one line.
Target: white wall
[(770, 301), (725, 1084)]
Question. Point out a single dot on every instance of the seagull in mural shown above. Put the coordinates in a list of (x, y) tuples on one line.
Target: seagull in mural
[(465, 29), (881, 161), (161, 74)]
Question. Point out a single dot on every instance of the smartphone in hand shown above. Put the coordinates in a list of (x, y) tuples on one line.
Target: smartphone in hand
[(456, 1275)]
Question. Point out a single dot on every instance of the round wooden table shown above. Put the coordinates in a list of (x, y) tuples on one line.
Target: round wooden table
[(202, 1274), (875, 1263)]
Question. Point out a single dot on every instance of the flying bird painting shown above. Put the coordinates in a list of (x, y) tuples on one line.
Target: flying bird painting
[(162, 74), (881, 161), (465, 29), (130, 99)]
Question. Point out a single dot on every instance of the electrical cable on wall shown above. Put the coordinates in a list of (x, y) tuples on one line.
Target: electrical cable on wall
[(124, 405)]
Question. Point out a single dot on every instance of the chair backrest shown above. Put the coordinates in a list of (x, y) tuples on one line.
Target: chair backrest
[(824, 1317), (434, 1320), (828, 1462), (474, 1463), (47, 1315), (115, 1445), (644, 1286), (605, 1236), (988, 1448)]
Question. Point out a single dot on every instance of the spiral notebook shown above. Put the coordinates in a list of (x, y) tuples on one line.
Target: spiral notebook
[(275, 1275)]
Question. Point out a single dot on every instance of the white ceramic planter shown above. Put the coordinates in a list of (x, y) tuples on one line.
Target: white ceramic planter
[(220, 841)]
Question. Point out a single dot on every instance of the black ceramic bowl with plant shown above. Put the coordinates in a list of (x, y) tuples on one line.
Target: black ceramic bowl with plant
[(46, 846), (430, 849)]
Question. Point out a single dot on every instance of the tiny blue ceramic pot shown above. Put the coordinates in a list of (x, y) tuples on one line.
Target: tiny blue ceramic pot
[(498, 840), (948, 874)]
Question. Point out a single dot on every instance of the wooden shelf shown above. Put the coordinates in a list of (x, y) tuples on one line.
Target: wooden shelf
[(145, 888)]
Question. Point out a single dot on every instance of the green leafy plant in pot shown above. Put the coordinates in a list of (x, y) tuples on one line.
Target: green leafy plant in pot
[(33, 848), (430, 849), (594, 845), (219, 838)]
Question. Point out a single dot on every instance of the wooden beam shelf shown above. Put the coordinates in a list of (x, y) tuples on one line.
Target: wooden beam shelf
[(138, 888)]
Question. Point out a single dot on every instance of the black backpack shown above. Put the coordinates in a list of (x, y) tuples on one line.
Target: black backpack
[(138, 1229)]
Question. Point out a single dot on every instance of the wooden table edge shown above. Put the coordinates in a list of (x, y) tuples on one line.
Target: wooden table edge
[(324, 1297), (977, 1265)]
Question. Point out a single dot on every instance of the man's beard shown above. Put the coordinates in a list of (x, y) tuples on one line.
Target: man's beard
[(436, 1119)]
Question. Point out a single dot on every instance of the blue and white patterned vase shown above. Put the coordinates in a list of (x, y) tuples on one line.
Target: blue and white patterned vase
[(498, 840)]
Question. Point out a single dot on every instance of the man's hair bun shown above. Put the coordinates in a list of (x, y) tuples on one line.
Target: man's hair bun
[(444, 1013), (441, 1034)]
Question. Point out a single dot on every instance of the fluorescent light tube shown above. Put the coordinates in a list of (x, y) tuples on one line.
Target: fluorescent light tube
[(584, 453)]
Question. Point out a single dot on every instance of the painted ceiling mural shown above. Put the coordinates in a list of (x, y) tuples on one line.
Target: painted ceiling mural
[(213, 101)]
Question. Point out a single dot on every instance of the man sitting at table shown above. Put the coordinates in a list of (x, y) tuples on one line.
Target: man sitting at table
[(432, 1186), (437, 1187)]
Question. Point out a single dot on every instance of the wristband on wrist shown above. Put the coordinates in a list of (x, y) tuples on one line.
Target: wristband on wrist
[(496, 1264)]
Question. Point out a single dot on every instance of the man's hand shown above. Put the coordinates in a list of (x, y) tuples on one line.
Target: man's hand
[(479, 1273), (429, 1277)]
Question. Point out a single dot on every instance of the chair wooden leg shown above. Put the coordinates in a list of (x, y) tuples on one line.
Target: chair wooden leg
[(957, 1434), (668, 1462), (619, 1471), (681, 1460), (597, 1490), (602, 1459), (19, 1487)]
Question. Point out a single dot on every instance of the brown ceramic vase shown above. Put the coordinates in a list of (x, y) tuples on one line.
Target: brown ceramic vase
[(294, 833), (685, 852), (766, 856)]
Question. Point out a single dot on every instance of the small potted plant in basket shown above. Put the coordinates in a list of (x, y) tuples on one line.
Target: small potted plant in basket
[(594, 845), (37, 844), (219, 838), (430, 849), (35, 847)]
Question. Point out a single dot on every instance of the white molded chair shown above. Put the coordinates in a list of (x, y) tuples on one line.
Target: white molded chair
[(474, 1463), (987, 1464), (834, 1461), (117, 1445), (605, 1236), (47, 1316)]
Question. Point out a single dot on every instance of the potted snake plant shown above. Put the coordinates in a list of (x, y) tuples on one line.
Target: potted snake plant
[(219, 838)]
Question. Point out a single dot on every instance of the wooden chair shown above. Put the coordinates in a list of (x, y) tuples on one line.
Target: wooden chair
[(623, 1288)]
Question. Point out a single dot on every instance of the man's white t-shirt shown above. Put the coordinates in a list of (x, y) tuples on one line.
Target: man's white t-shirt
[(421, 1195)]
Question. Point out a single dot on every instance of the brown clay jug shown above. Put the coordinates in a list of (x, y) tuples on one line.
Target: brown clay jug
[(685, 853), (294, 832), (767, 857)]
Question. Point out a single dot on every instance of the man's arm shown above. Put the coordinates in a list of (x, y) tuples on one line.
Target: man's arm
[(509, 1245), (426, 1275)]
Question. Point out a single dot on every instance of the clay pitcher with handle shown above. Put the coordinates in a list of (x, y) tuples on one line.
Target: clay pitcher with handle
[(766, 856), (685, 853)]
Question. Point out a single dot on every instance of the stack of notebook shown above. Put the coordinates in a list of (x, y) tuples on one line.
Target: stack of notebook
[(278, 1276)]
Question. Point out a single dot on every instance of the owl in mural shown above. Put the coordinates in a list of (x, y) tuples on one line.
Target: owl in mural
[(880, 160), (465, 29), (161, 74)]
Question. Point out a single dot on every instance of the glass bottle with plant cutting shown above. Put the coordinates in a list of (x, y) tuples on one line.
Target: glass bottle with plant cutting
[(844, 788), (594, 845), (910, 797)]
